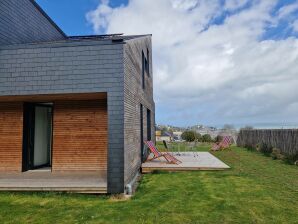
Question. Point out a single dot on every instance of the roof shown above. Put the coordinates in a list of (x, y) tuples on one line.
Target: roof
[(47, 17), (167, 134), (114, 37)]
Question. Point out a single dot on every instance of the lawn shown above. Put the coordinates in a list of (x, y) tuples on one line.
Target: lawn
[(256, 189)]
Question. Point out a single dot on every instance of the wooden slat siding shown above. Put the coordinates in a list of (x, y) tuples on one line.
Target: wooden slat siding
[(286, 140), (54, 97), (11, 136), (80, 136)]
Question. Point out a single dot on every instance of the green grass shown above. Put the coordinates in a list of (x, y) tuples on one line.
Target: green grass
[(256, 189), (184, 146)]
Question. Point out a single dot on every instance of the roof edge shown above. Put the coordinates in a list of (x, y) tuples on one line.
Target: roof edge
[(37, 6)]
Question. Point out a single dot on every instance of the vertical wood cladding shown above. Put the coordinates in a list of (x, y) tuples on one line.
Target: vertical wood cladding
[(11, 136), (80, 135)]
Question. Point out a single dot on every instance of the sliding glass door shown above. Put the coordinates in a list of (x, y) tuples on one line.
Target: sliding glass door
[(37, 136), (42, 136)]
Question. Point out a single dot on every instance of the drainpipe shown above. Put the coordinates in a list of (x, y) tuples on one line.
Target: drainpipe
[(128, 190)]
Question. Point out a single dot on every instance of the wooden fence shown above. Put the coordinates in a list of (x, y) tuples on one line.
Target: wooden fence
[(286, 140)]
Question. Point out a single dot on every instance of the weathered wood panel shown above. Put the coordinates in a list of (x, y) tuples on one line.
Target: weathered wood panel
[(80, 182), (80, 135), (11, 136), (286, 140)]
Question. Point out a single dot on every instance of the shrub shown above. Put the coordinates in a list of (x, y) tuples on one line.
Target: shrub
[(291, 159), (265, 149), (251, 147), (198, 137), (276, 154), (191, 136), (206, 138), (188, 136)]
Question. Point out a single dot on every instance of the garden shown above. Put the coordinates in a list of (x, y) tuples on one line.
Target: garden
[(256, 189)]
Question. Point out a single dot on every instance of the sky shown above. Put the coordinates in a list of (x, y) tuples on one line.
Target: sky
[(216, 62)]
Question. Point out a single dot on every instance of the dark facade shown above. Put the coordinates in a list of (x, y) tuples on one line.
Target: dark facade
[(37, 59), (22, 23), (135, 97)]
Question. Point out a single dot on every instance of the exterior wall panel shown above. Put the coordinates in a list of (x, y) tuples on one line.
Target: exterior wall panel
[(11, 136), (80, 136)]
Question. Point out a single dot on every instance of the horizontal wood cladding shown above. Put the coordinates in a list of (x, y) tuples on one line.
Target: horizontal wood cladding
[(11, 136), (54, 97), (80, 137)]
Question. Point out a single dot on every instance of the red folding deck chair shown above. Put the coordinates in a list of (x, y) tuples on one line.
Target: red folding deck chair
[(224, 144), (158, 154)]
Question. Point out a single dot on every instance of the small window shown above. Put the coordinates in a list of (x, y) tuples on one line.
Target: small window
[(148, 62), (148, 125), (144, 61), (142, 132)]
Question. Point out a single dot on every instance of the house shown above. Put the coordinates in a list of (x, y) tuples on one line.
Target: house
[(74, 110), (177, 135), (164, 136)]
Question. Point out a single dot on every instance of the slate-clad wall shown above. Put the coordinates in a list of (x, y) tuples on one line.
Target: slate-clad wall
[(134, 95), (22, 22), (72, 67)]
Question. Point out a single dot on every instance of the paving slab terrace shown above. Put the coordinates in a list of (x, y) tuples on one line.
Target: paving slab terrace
[(190, 161)]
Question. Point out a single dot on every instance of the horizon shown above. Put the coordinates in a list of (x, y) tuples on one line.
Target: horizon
[(219, 62), (288, 125)]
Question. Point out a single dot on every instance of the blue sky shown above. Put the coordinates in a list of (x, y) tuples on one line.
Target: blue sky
[(215, 61), (70, 16)]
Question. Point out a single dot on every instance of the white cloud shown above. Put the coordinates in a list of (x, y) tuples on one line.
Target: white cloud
[(235, 4), (101, 16), (219, 73), (295, 26), (287, 10)]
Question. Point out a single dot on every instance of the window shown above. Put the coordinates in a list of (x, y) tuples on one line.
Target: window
[(145, 66), (141, 131), (148, 125), (148, 62), (143, 69)]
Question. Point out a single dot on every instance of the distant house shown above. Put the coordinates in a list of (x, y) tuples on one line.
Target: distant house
[(77, 108), (165, 136), (177, 135)]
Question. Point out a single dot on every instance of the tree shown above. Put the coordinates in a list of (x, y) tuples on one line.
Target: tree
[(189, 136), (198, 137), (206, 138)]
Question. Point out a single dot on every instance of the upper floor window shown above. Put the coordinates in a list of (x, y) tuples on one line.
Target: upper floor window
[(148, 62), (145, 66), (143, 69)]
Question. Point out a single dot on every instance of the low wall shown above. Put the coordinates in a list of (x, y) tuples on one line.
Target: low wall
[(286, 140)]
